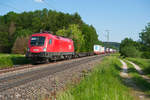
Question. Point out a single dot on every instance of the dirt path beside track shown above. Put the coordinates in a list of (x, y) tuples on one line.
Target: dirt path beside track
[(137, 94), (139, 70), (124, 73)]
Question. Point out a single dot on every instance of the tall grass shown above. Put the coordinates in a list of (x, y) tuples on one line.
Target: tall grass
[(141, 83), (143, 63), (115, 54), (8, 60), (103, 83)]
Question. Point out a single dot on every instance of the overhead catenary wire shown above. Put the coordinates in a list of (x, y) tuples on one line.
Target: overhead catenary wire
[(49, 5), (45, 2), (7, 5), (102, 35)]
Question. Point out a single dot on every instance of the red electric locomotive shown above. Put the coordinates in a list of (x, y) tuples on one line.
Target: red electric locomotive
[(45, 47)]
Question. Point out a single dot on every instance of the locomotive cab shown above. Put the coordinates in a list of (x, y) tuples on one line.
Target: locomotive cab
[(45, 46), (37, 48), (37, 44)]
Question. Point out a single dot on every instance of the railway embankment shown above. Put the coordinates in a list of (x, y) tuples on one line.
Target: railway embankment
[(103, 83), (112, 79), (43, 81), (93, 77)]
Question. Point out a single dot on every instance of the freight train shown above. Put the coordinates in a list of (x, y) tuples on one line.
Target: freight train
[(98, 49), (47, 47)]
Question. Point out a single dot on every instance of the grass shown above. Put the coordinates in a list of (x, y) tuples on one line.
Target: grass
[(8, 60), (141, 83), (115, 54), (143, 63), (103, 83)]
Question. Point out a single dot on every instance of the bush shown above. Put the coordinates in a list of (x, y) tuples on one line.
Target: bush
[(129, 48), (146, 55), (5, 62), (8, 60), (19, 60), (130, 51)]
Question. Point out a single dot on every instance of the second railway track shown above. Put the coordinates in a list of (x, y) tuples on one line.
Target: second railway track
[(23, 78)]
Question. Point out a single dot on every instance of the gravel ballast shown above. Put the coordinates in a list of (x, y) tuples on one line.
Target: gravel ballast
[(47, 87)]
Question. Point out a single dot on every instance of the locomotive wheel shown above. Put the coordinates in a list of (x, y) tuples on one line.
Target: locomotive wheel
[(70, 57), (34, 61), (46, 60)]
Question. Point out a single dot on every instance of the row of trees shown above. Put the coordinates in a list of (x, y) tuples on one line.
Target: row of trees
[(141, 48), (15, 29)]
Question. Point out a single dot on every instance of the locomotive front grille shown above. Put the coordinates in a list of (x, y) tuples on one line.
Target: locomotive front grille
[(41, 54)]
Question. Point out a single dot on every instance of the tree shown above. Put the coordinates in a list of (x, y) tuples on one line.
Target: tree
[(18, 25), (145, 36), (23, 33), (129, 48), (145, 41), (21, 42), (20, 45), (90, 37), (75, 34), (4, 42)]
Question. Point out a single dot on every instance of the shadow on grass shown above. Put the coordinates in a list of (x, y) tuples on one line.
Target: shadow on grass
[(143, 63), (20, 60), (147, 70), (117, 67), (132, 70), (136, 82)]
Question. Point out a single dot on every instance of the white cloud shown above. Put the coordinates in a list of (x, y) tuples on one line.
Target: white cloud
[(38, 1)]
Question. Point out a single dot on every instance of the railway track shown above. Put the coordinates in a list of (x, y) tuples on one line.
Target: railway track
[(25, 66), (23, 78)]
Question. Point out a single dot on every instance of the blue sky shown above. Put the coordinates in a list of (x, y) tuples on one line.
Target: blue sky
[(124, 18)]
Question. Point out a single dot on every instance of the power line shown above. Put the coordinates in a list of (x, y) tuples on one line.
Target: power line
[(12, 2), (6, 5), (107, 31), (44, 1), (100, 35), (48, 4)]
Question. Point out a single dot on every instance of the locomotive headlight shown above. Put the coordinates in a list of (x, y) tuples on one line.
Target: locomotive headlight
[(44, 49)]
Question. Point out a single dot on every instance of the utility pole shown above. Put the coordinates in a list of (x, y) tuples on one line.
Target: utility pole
[(107, 31)]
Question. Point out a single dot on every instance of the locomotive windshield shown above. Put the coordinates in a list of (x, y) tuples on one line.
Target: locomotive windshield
[(37, 41)]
